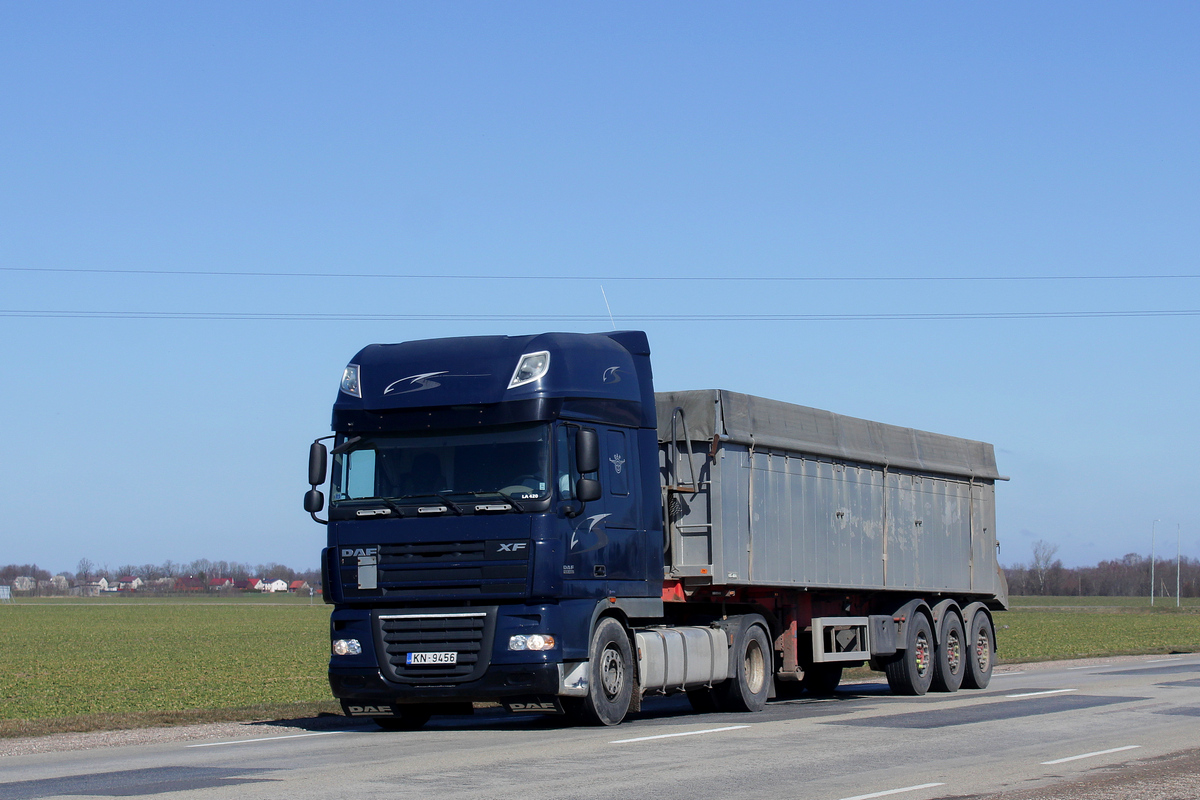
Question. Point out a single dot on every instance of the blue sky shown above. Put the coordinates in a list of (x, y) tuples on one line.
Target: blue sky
[(186, 190)]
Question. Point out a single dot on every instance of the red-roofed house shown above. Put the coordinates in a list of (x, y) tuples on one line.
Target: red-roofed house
[(298, 586), (217, 584)]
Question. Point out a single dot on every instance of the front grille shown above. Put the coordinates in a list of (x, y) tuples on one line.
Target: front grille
[(467, 633)]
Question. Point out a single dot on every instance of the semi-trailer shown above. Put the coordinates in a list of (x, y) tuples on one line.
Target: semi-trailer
[(523, 520)]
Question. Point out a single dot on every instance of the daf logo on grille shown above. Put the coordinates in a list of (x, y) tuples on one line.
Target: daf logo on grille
[(359, 552)]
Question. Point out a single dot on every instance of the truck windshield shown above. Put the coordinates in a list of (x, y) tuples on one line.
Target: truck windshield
[(512, 461)]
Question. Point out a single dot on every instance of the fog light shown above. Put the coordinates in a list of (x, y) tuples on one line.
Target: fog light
[(536, 641), (346, 647)]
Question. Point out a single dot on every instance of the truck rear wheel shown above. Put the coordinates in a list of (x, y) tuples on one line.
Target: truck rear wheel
[(980, 653), (951, 656), (911, 671), (747, 689), (610, 684)]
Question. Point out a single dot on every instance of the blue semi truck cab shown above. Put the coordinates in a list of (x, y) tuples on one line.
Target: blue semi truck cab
[(522, 520), (490, 498)]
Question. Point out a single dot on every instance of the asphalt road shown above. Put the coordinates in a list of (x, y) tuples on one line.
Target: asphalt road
[(1128, 728)]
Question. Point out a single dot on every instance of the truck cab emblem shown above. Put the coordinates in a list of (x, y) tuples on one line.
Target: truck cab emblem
[(612, 375), (601, 536), (617, 462), (419, 382)]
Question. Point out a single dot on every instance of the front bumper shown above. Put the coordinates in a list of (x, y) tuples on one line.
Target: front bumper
[(500, 681)]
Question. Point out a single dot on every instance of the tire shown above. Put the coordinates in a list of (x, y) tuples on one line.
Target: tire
[(747, 689), (407, 718), (610, 677), (822, 679), (911, 671), (950, 660), (980, 653)]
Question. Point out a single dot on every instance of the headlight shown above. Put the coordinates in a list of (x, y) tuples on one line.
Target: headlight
[(531, 367), (346, 647), (350, 384), (536, 641)]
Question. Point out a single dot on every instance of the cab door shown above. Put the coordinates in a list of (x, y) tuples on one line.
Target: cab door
[(604, 542)]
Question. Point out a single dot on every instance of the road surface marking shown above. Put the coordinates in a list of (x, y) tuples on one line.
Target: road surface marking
[(1039, 694), (1094, 666), (1089, 755), (685, 733), (266, 739), (893, 791), (1162, 660), (1007, 674)]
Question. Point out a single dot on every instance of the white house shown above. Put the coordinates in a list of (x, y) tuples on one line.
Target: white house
[(277, 585)]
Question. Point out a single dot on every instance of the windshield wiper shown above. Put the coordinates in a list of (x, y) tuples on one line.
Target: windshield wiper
[(446, 501), (508, 498)]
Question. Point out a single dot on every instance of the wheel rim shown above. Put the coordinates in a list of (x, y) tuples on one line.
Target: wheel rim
[(922, 654), (612, 672), (754, 667), (983, 651), (954, 652)]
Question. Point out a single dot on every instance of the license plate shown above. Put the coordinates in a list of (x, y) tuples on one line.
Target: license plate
[(432, 658)]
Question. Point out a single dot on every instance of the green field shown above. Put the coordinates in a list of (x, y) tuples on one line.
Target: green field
[(82, 664), (98, 658)]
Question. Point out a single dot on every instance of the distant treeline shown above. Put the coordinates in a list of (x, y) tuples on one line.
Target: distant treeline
[(1123, 577), (201, 570)]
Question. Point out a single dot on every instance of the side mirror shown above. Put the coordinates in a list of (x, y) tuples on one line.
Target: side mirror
[(314, 501), (587, 490), (317, 458), (587, 451)]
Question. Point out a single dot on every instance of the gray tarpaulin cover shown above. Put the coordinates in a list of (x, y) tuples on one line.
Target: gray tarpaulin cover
[(745, 419)]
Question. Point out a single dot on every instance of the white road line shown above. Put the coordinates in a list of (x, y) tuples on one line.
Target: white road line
[(1007, 674), (266, 739), (1089, 755), (1094, 666), (893, 791), (1162, 660), (685, 733), (1039, 694)]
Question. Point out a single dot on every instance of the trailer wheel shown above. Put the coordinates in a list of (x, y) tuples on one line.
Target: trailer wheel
[(747, 689), (407, 718), (951, 659), (610, 684), (822, 679), (980, 653), (911, 671)]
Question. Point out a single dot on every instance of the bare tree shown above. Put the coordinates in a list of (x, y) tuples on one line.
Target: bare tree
[(84, 569), (1043, 560)]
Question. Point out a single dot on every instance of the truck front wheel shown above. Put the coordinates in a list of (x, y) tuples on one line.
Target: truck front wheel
[(610, 681), (911, 671), (747, 689)]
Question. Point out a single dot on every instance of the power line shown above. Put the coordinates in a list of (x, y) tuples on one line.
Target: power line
[(366, 317), (630, 278)]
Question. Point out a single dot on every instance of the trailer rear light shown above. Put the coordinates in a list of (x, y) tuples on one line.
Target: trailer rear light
[(350, 384), (530, 368), (347, 647), (536, 641)]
